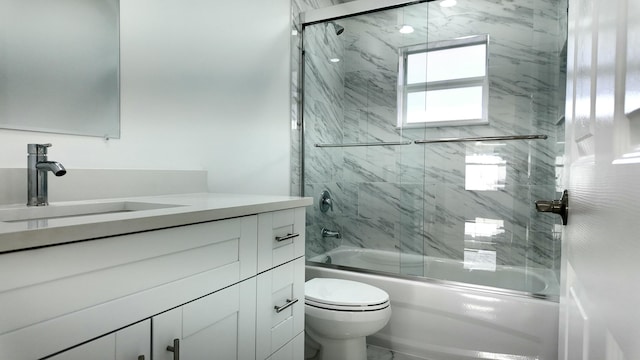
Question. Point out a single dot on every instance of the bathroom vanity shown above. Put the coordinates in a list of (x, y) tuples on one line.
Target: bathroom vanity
[(181, 276)]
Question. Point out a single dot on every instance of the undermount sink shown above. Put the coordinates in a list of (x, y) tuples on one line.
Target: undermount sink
[(56, 211)]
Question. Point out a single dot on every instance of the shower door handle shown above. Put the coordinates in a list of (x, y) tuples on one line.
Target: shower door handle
[(560, 207)]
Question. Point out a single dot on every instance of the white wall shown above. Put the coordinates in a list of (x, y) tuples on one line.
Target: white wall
[(204, 86)]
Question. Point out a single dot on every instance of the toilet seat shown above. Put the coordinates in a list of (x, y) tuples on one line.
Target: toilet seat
[(344, 295)]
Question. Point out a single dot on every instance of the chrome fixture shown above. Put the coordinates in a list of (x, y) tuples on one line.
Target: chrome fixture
[(287, 237), (390, 143), (338, 29), (325, 201), (482, 138), (175, 349), (288, 304), (440, 140), (560, 207), (37, 168), (330, 233)]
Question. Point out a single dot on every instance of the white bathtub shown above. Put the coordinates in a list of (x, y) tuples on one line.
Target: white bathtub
[(541, 282), (439, 320)]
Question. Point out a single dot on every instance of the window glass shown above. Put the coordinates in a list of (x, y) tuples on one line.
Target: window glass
[(417, 68), (444, 105), (444, 82), (456, 63)]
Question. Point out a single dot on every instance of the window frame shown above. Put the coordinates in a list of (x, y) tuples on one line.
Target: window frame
[(404, 89)]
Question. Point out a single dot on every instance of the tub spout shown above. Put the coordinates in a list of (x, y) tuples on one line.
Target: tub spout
[(330, 233)]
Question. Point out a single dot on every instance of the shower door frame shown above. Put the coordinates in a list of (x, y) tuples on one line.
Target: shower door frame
[(360, 7), (316, 16)]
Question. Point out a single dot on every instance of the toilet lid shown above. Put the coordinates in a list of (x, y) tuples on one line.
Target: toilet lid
[(343, 292)]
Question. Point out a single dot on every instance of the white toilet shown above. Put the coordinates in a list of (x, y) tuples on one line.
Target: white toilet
[(339, 315)]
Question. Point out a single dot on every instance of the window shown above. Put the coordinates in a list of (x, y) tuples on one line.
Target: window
[(444, 83)]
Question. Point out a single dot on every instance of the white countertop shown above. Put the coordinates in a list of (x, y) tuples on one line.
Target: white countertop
[(191, 208)]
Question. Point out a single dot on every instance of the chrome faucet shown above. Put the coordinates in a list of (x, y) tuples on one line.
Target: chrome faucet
[(37, 168), (325, 201), (329, 233)]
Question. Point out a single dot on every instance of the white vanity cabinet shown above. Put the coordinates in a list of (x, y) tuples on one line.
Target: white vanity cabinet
[(130, 343), (280, 315), (212, 287)]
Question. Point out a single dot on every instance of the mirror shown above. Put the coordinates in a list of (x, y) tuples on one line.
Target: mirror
[(59, 66)]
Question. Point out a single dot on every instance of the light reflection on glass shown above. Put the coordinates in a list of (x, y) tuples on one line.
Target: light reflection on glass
[(483, 228), (478, 236), (480, 260), (485, 172)]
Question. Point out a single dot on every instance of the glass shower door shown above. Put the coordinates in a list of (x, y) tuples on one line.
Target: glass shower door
[(385, 92)]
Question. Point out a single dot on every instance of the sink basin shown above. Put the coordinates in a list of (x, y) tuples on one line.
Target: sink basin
[(56, 211)]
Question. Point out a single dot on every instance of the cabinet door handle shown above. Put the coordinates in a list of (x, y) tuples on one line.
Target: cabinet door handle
[(175, 349), (141, 357), (286, 237), (285, 306)]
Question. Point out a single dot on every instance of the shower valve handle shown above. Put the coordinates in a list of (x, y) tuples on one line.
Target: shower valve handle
[(325, 202)]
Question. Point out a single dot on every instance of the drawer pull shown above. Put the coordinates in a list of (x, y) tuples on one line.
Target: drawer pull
[(285, 306), (141, 357), (286, 237), (175, 349)]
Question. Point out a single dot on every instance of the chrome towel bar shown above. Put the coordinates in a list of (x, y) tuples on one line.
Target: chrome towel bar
[(366, 144), (440, 140), (482, 138)]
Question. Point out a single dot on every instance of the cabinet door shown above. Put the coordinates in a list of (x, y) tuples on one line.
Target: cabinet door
[(134, 342), (220, 325), (163, 269), (280, 315), (130, 343)]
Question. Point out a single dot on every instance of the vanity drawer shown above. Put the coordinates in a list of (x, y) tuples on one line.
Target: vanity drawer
[(280, 237), (293, 350), (280, 307)]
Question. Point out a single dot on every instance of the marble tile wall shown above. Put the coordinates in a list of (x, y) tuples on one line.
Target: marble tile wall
[(298, 7), (440, 199)]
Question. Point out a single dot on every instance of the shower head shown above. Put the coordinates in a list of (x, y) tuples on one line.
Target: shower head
[(338, 28)]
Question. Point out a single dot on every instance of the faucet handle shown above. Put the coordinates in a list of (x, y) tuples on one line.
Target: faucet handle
[(325, 201), (37, 149)]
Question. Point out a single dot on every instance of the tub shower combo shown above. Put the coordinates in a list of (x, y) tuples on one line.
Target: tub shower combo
[(429, 131)]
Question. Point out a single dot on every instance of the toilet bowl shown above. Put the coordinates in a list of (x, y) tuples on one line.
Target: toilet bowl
[(339, 315)]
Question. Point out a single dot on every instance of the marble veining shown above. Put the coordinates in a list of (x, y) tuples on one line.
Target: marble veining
[(439, 199)]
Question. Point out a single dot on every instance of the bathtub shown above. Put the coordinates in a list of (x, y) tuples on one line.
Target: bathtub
[(450, 320)]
